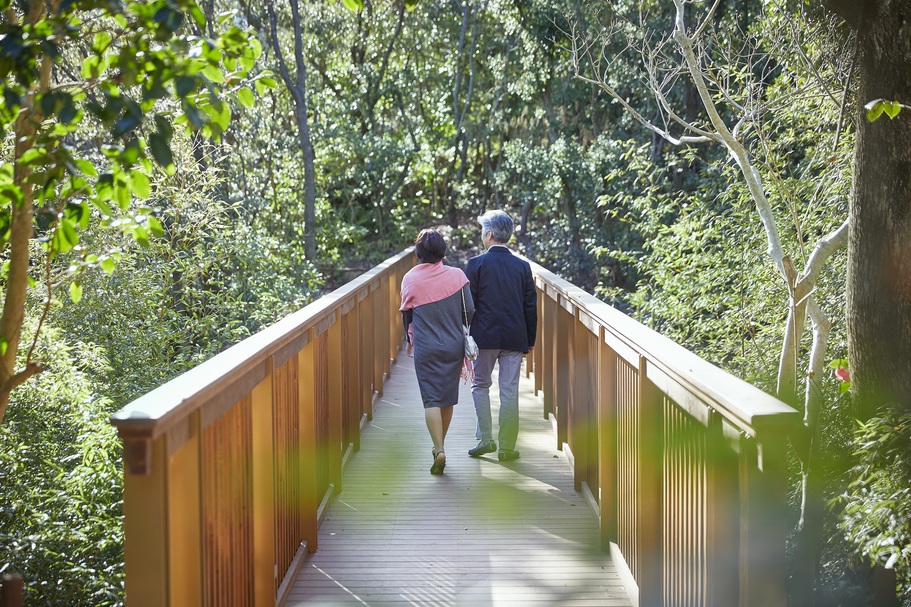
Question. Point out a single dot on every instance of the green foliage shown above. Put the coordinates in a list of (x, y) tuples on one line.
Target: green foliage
[(60, 517), (95, 140), (877, 107), (876, 514)]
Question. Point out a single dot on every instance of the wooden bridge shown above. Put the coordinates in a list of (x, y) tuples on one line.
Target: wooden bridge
[(292, 469)]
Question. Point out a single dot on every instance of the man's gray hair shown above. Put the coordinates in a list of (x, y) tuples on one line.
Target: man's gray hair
[(498, 224)]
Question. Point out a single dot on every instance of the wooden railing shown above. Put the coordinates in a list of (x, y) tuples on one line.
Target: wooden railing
[(684, 463), (228, 468)]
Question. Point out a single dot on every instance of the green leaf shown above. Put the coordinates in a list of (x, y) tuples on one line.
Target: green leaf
[(4, 346), (892, 109), (122, 192), (75, 291), (32, 154), (155, 227), (142, 188), (13, 193), (263, 85), (161, 150), (108, 264), (353, 5), (874, 109), (65, 236), (410, 4), (103, 207), (214, 73), (88, 169), (101, 41), (90, 67), (184, 85), (245, 97), (141, 236), (125, 125), (198, 16)]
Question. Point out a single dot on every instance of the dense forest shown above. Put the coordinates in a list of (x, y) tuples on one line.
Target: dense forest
[(178, 174)]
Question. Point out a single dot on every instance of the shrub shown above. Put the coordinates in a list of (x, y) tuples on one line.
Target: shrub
[(877, 505)]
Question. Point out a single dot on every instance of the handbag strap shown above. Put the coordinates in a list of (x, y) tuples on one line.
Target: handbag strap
[(464, 311)]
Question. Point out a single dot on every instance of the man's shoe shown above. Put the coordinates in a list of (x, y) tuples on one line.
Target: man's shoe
[(507, 455), (485, 446)]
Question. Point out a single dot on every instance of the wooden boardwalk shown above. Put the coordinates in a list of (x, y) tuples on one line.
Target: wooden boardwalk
[(484, 533)]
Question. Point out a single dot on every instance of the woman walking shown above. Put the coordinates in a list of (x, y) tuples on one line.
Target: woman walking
[(436, 302)]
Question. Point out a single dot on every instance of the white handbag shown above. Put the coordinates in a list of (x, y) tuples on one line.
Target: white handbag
[(471, 347)]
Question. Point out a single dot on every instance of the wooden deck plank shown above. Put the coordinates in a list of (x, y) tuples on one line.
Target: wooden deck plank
[(484, 533)]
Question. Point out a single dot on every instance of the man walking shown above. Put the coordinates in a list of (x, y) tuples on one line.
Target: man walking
[(504, 326)]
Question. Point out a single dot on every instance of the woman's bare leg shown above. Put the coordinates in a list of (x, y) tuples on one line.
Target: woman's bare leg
[(446, 415), (434, 419)]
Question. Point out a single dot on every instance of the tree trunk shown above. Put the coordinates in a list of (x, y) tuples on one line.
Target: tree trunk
[(16, 288), (303, 125), (297, 86), (879, 246)]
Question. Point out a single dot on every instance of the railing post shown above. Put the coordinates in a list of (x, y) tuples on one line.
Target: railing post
[(12, 591), (378, 351), (607, 443), (310, 497), (584, 421), (650, 503), (722, 543), (354, 367), (145, 529), (336, 403), (562, 389), (393, 324), (763, 522), (185, 518), (549, 351), (383, 327), (265, 574), (368, 354), (537, 358)]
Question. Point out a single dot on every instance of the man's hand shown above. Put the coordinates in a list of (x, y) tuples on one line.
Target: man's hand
[(408, 348)]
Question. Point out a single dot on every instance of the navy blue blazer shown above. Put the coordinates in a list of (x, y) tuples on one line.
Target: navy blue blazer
[(505, 300)]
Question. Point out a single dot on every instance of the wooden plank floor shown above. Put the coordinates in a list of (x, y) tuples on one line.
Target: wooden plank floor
[(484, 533)]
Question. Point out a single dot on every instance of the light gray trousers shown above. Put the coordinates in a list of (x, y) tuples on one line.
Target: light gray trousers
[(508, 383)]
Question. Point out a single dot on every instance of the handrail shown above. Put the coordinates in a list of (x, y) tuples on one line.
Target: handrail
[(683, 462), (751, 408), (228, 467)]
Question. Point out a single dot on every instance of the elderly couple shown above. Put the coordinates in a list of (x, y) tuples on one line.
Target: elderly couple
[(497, 292)]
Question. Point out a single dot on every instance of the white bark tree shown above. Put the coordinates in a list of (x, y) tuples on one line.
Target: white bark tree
[(733, 111)]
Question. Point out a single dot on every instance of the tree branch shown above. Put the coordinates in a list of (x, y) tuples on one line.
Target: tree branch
[(824, 249)]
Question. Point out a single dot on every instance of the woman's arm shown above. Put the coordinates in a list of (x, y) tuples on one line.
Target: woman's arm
[(469, 301), (406, 322)]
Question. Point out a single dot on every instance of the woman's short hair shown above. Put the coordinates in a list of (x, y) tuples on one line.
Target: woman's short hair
[(429, 246), (498, 224)]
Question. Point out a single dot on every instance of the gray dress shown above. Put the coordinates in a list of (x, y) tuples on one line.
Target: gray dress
[(439, 347)]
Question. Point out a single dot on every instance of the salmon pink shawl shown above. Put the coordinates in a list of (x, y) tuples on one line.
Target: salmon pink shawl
[(429, 282)]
